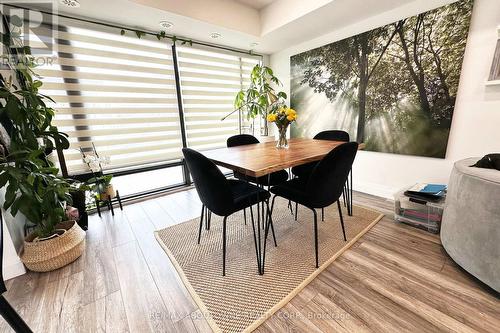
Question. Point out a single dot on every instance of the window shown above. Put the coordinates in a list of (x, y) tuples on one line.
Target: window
[(120, 94), (114, 91), (147, 181), (210, 80)]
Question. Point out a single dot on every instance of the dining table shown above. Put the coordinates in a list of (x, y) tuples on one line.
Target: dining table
[(262, 159)]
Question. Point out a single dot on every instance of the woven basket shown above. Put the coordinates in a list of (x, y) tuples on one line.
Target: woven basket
[(53, 253)]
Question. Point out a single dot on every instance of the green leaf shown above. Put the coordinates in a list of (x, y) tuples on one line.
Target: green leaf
[(37, 84), (282, 94), (31, 179)]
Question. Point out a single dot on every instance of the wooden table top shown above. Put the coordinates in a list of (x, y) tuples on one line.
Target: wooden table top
[(263, 158)]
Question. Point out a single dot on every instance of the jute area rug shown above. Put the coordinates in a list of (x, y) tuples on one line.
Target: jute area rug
[(243, 299)]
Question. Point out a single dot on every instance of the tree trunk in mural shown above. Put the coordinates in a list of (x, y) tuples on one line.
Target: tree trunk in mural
[(414, 59), (362, 60), (363, 51), (439, 68)]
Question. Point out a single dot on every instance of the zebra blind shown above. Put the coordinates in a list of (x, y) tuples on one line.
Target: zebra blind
[(209, 82), (115, 91), (119, 93)]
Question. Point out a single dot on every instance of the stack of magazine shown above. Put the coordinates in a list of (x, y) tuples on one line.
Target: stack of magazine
[(423, 207), (422, 193)]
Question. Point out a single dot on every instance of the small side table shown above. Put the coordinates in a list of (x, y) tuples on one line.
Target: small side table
[(109, 203), (421, 214)]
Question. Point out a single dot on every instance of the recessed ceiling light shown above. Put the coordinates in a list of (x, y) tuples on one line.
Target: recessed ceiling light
[(254, 44), (70, 3), (166, 24), (215, 35)]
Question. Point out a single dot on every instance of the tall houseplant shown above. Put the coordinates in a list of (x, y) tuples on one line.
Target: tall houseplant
[(260, 98), (33, 186)]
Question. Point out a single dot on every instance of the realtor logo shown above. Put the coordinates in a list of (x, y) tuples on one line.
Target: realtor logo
[(28, 33)]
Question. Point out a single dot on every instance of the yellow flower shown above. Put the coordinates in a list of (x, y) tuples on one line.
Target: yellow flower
[(271, 117), (282, 110), (290, 111), (290, 117)]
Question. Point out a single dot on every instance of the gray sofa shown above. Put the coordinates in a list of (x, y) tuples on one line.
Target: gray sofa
[(470, 229)]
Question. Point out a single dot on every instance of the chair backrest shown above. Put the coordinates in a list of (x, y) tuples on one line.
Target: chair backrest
[(326, 183), (241, 139), (212, 186), (333, 135)]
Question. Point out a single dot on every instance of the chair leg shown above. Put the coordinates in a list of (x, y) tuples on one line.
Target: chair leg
[(245, 215), (272, 204), (263, 216), (209, 219), (201, 222), (316, 236), (290, 207), (205, 211), (350, 197), (296, 210), (224, 246), (341, 219), (344, 196), (322, 214)]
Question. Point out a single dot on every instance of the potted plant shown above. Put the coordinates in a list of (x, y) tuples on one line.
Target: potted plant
[(33, 186), (100, 183), (102, 187), (260, 98)]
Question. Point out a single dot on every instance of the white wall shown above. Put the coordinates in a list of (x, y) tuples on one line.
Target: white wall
[(475, 129), (12, 265)]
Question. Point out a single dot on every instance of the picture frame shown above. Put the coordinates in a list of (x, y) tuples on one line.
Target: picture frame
[(494, 76)]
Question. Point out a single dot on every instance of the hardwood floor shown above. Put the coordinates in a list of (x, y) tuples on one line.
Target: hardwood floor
[(395, 278)]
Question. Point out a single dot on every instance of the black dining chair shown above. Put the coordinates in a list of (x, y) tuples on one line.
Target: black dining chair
[(323, 187), (224, 197), (304, 170)]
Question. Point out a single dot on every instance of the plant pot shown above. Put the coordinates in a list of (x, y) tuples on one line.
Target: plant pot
[(56, 251), (109, 192)]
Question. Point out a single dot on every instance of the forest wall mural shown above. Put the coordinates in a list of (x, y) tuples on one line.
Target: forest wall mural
[(393, 88)]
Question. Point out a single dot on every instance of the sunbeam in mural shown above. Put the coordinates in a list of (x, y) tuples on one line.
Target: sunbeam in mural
[(393, 88)]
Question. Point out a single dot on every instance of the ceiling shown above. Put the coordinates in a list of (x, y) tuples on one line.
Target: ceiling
[(273, 24), (257, 4)]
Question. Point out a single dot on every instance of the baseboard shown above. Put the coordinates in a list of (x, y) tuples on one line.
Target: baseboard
[(13, 270), (376, 189)]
